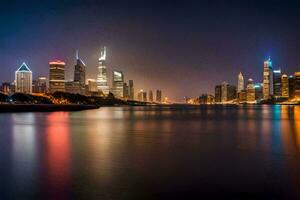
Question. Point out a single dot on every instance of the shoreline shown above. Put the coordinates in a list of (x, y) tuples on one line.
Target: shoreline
[(10, 108)]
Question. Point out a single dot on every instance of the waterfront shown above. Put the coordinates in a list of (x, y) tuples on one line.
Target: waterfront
[(224, 152)]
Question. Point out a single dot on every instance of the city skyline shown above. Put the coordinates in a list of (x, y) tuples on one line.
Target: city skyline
[(205, 43)]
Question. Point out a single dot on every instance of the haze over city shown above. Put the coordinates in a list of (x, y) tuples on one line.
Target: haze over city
[(184, 48)]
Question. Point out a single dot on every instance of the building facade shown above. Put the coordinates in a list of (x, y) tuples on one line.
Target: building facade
[(297, 85), (250, 91), (79, 72), (23, 79), (150, 96), (228, 92), (57, 76), (158, 96), (40, 85), (117, 84), (277, 83), (102, 82), (131, 90), (142, 96), (291, 87), (218, 93), (268, 79), (284, 86), (240, 82)]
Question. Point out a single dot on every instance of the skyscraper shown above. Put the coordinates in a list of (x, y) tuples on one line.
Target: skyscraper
[(158, 96), (23, 79), (131, 90), (240, 82), (284, 86), (102, 84), (117, 84), (142, 96), (268, 79), (291, 87), (228, 92), (79, 72), (250, 91), (218, 93), (277, 83), (150, 96), (57, 76), (297, 85), (125, 91)]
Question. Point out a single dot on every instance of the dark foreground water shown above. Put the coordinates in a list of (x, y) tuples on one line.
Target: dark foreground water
[(152, 153)]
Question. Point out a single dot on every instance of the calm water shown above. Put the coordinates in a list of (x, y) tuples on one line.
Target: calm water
[(152, 153)]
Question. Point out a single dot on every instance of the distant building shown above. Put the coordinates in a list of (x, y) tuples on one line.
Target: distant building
[(79, 72), (277, 83), (57, 76), (228, 92), (218, 93), (142, 96), (131, 90), (102, 83), (268, 79), (297, 85), (150, 96), (158, 96), (291, 87), (206, 99), (125, 91), (240, 83), (284, 86), (117, 84), (74, 87), (250, 91), (242, 96), (258, 87), (40, 85), (92, 85), (23, 79), (6, 88)]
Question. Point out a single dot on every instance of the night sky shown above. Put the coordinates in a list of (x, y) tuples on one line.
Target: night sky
[(184, 48)]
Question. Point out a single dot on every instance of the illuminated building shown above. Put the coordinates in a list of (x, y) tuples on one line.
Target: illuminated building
[(291, 87), (102, 84), (131, 90), (150, 96), (125, 91), (258, 87), (40, 85), (158, 96), (142, 96), (268, 79), (242, 96), (92, 85), (218, 93), (6, 88), (206, 99), (57, 76), (228, 92), (284, 86), (240, 83), (250, 91), (79, 72), (23, 79), (297, 85), (117, 84), (277, 83), (74, 87)]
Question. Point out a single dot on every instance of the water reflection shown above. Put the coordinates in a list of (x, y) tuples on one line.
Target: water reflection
[(58, 155)]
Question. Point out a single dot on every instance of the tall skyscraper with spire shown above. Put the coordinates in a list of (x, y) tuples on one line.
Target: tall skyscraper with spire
[(240, 82), (102, 84), (268, 79), (79, 72)]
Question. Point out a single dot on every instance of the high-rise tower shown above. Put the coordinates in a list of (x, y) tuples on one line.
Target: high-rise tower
[(57, 82), (118, 84), (240, 82), (79, 72), (268, 79), (23, 78), (102, 73)]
